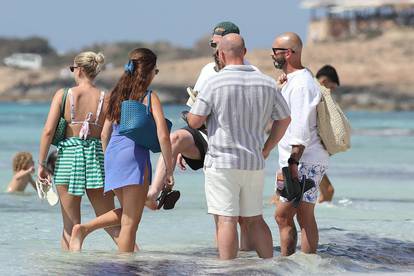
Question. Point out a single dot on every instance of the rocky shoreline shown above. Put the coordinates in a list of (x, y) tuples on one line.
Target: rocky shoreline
[(375, 74), (348, 97)]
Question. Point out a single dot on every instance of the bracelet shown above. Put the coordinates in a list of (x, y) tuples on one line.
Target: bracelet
[(43, 164), (292, 161)]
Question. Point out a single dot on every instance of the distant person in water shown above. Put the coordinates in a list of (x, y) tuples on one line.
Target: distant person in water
[(23, 168), (328, 77)]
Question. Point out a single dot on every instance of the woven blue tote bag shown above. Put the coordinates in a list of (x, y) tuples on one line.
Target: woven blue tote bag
[(138, 124)]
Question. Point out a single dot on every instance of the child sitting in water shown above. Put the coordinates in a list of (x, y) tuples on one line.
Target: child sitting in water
[(23, 168)]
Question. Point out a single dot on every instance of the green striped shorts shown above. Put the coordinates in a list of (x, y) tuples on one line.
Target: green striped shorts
[(80, 165)]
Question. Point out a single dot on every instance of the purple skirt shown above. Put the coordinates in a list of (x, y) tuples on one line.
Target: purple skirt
[(125, 162)]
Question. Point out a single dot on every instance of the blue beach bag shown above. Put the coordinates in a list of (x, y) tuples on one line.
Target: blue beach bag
[(138, 124)]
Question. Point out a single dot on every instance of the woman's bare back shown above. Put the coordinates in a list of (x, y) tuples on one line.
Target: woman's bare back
[(85, 100)]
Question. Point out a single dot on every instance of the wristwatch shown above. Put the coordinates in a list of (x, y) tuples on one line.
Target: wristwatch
[(292, 161)]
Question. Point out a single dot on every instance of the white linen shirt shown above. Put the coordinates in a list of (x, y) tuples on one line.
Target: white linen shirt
[(302, 95), (208, 71)]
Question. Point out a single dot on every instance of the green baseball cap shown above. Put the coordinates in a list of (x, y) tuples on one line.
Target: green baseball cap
[(226, 27)]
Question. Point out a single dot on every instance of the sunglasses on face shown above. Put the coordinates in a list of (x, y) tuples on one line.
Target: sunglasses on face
[(157, 71), (213, 44), (72, 68), (282, 49)]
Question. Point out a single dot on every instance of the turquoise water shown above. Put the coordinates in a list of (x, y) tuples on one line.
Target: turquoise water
[(369, 227)]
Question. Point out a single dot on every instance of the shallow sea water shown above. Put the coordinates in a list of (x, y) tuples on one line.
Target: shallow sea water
[(368, 228)]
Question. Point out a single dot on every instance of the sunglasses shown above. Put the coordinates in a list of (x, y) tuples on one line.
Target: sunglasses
[(72, 68), (213, 44), (157, 71), (282, 49)]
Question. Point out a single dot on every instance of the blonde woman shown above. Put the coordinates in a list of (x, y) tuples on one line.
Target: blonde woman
[(79, 165)]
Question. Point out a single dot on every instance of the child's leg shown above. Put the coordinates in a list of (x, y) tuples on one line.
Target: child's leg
[(70, 208)]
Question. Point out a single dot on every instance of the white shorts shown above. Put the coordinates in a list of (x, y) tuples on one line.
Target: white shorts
[(231, 192)]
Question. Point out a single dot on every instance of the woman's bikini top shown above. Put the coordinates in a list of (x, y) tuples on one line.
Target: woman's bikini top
[(84, 132)]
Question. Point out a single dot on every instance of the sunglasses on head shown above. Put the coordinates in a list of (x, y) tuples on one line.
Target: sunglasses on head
[(281, 49), (72, 68), (219, 32)]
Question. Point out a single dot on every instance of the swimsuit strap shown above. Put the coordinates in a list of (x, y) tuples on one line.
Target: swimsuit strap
[(100, 104), (72, 109)]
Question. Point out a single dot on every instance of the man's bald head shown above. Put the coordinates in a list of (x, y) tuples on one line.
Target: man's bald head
[(288, 40), (287, 52), (232, 45)]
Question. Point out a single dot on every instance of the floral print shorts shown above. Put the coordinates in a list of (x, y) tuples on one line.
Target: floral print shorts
[(314, 172)]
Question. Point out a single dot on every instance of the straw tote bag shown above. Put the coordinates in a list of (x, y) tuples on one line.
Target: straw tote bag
[(61, 126), (138, 124), (333, 126)]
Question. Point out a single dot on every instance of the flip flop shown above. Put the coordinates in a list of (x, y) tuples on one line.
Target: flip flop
[(167, 199), (39, 188), (293, 189), (170, 200), (46, 190), (51, 194)]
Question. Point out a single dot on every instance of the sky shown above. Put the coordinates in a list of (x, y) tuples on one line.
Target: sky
[(72, 24)]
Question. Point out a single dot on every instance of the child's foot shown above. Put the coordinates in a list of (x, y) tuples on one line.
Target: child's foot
[(77, 237)]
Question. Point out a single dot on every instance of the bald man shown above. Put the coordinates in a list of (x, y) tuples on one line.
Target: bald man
[(189, 145), (300, 150), (236, 103)]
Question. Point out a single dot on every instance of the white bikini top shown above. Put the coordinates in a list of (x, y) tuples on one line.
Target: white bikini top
[(84, 132)]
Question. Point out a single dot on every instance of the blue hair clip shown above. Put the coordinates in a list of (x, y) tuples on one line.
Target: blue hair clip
[(129, 67)]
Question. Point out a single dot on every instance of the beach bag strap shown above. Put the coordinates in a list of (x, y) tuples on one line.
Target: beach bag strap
[(149, 101), (62, 106)]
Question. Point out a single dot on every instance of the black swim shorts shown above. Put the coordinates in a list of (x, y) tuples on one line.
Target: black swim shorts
[(201, 145)]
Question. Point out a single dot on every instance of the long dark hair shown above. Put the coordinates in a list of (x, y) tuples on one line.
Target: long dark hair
[(133, 84)]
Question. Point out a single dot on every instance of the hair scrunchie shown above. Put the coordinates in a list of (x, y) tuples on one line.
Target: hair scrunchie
[(129, 67)]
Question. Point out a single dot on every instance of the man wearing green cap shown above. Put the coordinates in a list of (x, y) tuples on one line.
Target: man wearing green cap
[(189, 146), (210, 69)]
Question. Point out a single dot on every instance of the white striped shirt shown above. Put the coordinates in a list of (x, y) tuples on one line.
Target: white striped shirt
[(239, 101)]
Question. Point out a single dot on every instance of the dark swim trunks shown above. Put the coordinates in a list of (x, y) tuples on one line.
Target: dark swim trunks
[(201, 145)]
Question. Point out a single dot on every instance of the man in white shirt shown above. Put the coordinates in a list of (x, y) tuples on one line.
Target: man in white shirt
[(300, 149), (189, 146)]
